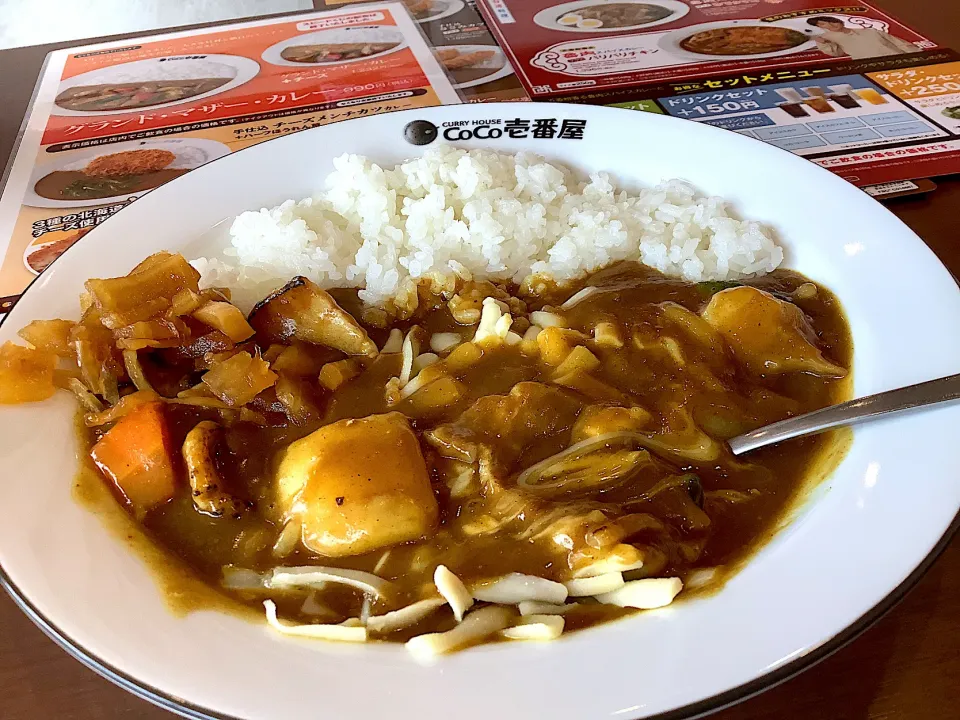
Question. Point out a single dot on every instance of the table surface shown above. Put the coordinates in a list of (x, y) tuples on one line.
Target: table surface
[(906, 666)]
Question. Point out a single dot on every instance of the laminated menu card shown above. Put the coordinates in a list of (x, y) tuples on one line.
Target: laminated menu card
[(477, 66), (845, 86), (112, 121)]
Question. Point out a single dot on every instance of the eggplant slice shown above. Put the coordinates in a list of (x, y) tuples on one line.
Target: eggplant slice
[(301, 310)]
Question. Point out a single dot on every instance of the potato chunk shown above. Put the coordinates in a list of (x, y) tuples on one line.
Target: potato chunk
[(26, 375), (357, 485), (769, 336)]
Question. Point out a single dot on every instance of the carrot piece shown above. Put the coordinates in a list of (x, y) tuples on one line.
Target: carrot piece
[(136, 455)]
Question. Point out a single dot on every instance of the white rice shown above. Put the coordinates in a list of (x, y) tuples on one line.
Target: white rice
[(170, 68), (483, 215)]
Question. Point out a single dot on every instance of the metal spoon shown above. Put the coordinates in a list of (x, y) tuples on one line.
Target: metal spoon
[(848, 413)]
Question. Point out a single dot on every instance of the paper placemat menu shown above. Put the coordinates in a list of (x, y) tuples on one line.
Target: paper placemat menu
[(110, 122)]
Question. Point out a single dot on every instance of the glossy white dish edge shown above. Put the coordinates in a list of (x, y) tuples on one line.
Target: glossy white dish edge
[(660, 661)]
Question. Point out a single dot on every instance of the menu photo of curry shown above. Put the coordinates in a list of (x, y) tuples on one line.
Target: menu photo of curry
[(117, 171), (151, 83), (47, 248), (336, 46), (104, 176)]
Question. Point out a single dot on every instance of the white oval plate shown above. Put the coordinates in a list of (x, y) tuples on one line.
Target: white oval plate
[(849, 553), (547, 18), (497, 65), (670, 42), (368, 34), (191, 153), (242, 70)]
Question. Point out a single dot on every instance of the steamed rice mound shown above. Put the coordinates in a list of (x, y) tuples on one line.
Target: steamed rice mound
[(456, 215)]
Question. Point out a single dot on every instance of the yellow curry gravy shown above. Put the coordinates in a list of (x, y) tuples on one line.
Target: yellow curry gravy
[(728, 507)]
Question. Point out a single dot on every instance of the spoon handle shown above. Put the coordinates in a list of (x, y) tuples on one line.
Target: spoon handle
[(854, 411)]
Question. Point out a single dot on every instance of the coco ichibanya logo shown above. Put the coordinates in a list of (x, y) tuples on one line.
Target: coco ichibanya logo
[(423, 132)]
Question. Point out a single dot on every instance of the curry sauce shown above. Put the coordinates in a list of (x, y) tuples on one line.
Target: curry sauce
[(660, 389)]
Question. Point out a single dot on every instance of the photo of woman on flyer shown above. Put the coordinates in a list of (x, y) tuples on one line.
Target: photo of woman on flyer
[(838, 40)]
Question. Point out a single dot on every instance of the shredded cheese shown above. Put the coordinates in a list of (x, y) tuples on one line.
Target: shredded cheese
[(410, 349), (644, 594), (579, 297), (312, 576), (394, 343), (344, 633), (533, 607), (596, 585), (516, 587), (547, 319), (404, 617), (476, 627), (440, 342), (535, 627), (453, 591)]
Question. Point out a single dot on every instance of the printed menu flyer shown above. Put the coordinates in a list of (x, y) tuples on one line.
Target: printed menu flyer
[(847, 87), (473, 59), (110, 122)]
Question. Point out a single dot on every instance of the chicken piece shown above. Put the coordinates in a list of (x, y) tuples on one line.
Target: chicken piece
[(357, 485), (768, 335), (495, 429), (599, 420), (301, 310)]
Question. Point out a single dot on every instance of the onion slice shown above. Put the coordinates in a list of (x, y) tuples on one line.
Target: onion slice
[(515, 588), (404, 617), (344, 633), (453, 591), (476, 627), (644, 594), (314, 576), (529, 478)]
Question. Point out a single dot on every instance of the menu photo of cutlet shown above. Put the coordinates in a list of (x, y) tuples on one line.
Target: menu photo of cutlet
[(430, 10), (117, 172), (472, 65)]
